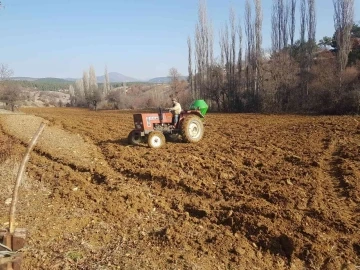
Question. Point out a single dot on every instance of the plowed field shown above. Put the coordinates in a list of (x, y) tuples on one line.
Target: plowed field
[(258, 192)]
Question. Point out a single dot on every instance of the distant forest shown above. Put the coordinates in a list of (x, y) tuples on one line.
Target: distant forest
[(44, 84), (54, 84)]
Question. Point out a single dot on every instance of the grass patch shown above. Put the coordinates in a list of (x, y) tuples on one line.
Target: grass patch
[(74, 255)]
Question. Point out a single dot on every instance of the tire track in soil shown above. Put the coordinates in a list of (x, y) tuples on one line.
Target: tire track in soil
[(331, 190)]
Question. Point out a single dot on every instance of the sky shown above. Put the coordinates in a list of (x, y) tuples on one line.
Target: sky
[(138, 38)]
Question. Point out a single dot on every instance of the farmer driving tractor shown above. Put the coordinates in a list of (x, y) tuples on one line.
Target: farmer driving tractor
[(152, 127), (176, 110)]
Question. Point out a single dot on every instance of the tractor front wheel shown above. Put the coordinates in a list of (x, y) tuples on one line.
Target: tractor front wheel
[(156, 139), (192, 129), (135, 138)]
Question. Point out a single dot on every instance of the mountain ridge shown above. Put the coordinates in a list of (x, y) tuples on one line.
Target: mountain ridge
[(165, 79), (114, 77)]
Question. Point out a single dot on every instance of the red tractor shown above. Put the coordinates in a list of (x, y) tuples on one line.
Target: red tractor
[(153, 127)]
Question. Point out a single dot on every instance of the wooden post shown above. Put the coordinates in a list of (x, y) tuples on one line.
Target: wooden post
[(19, 177)]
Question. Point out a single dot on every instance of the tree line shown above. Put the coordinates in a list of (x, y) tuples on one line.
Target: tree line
[(46, 85), (87, 92), (296, 74)]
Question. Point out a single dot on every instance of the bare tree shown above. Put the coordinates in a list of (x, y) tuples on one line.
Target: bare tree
[(311, 43), (96, 95), (224, 45), (258, 46), (302, 21), (283, 30), (228, 84), (71, 90), (275, 44), (190, 68), (307, 47), (223, 96), (79, 92), (227, 75), (311, 23), (279, 22), (72, 95), (302, 52), (284, 11), (118, 98), (211, 43), (292, 21), (85, 80), (175, 81), (281, 79), (240, 57), (106, 88), (343, 22), (5, 72), (249, 32), (232, 62), (203, 49), (11, 94), (217, 85), (92, 78)]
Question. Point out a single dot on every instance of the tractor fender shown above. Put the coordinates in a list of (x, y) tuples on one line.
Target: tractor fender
[(194, 112)]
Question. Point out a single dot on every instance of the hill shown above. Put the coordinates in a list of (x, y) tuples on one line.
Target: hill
[(117, 77), (52, 80), (29, 79), (165, 79), (114, 77)]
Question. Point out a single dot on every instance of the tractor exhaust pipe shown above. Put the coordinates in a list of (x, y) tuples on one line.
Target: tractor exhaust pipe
[(161, 116)]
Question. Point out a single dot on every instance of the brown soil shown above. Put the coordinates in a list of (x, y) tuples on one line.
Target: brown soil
[(258, 192)]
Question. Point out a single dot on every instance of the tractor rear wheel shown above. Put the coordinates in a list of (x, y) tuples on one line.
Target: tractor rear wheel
[(192, 129), (135, 138), (156, 139)]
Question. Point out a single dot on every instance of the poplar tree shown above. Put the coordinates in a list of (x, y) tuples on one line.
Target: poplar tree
[(292, 22), (190, 68), (96, 96), (343, 22), (106, 88), (249, 52), (258, 47), (72, 95), (79, 92), (203, 50), (85, 80), (92, 79)]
